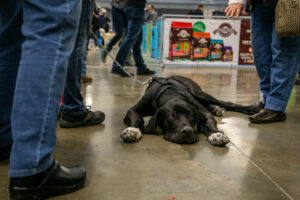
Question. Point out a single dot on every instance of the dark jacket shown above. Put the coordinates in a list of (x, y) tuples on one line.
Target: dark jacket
[(197, 12), (119, 4), (251, 3), (136, 3)]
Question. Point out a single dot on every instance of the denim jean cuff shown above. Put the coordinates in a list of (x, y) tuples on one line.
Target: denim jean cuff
[(31, 172), (276, 104)]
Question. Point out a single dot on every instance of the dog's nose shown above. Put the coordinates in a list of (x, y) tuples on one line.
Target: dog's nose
[(186, 131)]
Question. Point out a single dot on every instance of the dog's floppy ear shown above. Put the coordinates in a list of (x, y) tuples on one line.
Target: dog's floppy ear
[(151, 126), (200, 119)]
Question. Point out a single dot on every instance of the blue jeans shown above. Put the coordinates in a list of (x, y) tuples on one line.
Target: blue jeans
[(73, 101), (276, 58), (133, 38), (119, 26), (83, 71), (32, 76)]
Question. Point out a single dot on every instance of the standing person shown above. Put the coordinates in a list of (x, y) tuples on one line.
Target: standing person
[(151, 15), (84, 77), (119, 25), (277, 59), (33, 67), (95, 24), (199, 11), (103, 20), (134, 11), (74, 113)]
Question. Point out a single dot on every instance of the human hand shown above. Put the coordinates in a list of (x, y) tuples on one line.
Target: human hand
[(235, 9)]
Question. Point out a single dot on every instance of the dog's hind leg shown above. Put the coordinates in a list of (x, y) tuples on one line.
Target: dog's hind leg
[(215, 110), (208, 99)]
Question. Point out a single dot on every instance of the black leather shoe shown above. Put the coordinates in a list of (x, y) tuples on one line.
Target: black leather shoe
[(5, 152), (120, 73), (56, 180), (68, 120), (146, 71), (267, 116)]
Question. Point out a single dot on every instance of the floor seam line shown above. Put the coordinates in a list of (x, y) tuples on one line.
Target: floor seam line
[(263, 172)]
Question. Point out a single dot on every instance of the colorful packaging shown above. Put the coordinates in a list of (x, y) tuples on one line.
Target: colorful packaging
[(227, 54), (216, 50), (200, 46), (180, 40)]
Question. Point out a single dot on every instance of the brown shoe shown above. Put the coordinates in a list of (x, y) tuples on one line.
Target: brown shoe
[(267, 116), (86, 79)]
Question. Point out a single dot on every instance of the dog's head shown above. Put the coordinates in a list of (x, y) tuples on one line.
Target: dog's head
[(177, 120)]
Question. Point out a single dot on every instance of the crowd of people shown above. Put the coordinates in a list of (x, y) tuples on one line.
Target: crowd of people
[(46, 58)]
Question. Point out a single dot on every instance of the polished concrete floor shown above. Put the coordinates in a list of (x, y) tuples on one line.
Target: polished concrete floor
[(261, 163)]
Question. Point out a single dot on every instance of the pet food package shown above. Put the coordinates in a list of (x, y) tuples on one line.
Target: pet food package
[(216, 50), (227, 54), (200, 46), (180, 40)]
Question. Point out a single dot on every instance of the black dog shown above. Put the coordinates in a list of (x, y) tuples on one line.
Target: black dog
[(179, 110)]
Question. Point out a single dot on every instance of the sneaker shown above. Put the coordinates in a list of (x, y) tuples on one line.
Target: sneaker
[(145, 71), (87, 118), (86, 79), (120, 72)]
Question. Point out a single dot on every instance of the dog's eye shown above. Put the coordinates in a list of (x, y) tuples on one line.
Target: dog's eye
[(172, 116), (191, 116)]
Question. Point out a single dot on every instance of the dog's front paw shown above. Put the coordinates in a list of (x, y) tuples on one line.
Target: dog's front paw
[(218, 139), (131, 135)]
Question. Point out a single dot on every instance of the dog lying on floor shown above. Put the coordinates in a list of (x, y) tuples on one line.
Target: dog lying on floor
[(179, 110)]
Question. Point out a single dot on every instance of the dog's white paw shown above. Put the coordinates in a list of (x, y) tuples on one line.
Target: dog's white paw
[(218, 139), (131, 135)]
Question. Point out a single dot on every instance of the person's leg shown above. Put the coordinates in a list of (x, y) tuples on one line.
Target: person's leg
[(138, 57), (10, 53), (285, 65), (83, 71), (73, 101), (41, 75), (137, 53), (119, 26), (84, 77), (94, 36), (74, 112), (261, 34), (135, 17), (48, 29)]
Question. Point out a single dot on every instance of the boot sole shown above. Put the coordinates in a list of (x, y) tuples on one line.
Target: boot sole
[(266, 122), (66, 124), (40, 194)]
